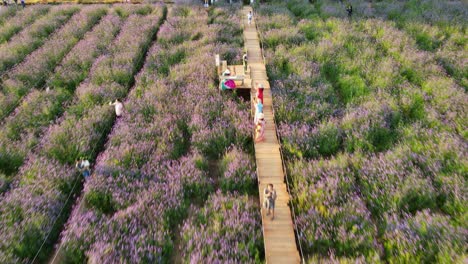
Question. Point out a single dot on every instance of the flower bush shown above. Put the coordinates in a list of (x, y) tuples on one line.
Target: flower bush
[(226, 229), (238, 172), (331, 215), (425, 237)]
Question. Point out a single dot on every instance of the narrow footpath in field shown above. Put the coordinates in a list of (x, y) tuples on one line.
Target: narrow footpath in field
[(278, 234)]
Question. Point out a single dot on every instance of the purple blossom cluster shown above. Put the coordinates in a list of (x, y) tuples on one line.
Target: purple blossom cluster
[(425, 237), (21, 20), (331, 216), (29, 39), (35, 69), (38, 211), (238, 172), (226, 229)]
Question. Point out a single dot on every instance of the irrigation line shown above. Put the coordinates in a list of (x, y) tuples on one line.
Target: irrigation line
[(55, 221), (278, 136)]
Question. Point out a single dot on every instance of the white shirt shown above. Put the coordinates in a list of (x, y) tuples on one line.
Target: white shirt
[(85, 163), (118, 108)]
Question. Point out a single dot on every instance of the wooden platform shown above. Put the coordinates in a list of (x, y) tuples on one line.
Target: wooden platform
[(278, 234)]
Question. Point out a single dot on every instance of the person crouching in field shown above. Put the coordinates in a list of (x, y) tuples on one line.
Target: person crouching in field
[(82, 166), (269, 199)]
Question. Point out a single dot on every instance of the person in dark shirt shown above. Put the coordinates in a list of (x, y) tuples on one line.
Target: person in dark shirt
[(349, 9)]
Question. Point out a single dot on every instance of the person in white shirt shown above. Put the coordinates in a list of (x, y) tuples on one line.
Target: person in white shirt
[(249, 17), (83, 166), (118, 107)]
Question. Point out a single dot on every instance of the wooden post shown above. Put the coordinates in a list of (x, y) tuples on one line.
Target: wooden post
[(218, 63)]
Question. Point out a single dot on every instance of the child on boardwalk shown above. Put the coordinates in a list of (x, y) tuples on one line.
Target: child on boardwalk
[(249, 17), (269, 200), (260, 128)]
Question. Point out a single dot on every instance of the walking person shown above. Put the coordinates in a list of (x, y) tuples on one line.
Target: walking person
[(349, 9), (118, 107), (269, 200), (23, 4), (260, 128), (250, 17), (258, 110), (244, 61), (259, 93), (82, 166)]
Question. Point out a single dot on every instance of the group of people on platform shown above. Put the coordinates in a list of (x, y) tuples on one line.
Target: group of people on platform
[(7, 2)]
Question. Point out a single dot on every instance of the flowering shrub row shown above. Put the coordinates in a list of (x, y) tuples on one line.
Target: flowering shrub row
[(32, 209), (22, 130), (35, 69), (21, 20), (6, 13), (226, 229), (385, 116), (20, 45)]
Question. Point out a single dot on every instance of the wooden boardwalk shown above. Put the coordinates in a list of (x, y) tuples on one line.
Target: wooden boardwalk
[(278, 234)]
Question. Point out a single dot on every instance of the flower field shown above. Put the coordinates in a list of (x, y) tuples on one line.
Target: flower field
[(371, 112), (181, 149), (372, 115)]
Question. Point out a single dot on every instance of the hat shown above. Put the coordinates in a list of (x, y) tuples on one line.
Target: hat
[(227, 71), (261, 116), (260, 85)]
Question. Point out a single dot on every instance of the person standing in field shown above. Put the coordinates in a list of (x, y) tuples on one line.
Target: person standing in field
[(349, 9), (269, 200), (118, 107), (249, 17)]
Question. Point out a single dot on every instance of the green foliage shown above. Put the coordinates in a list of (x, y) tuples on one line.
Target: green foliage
[(352, 87), (100, 201)]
